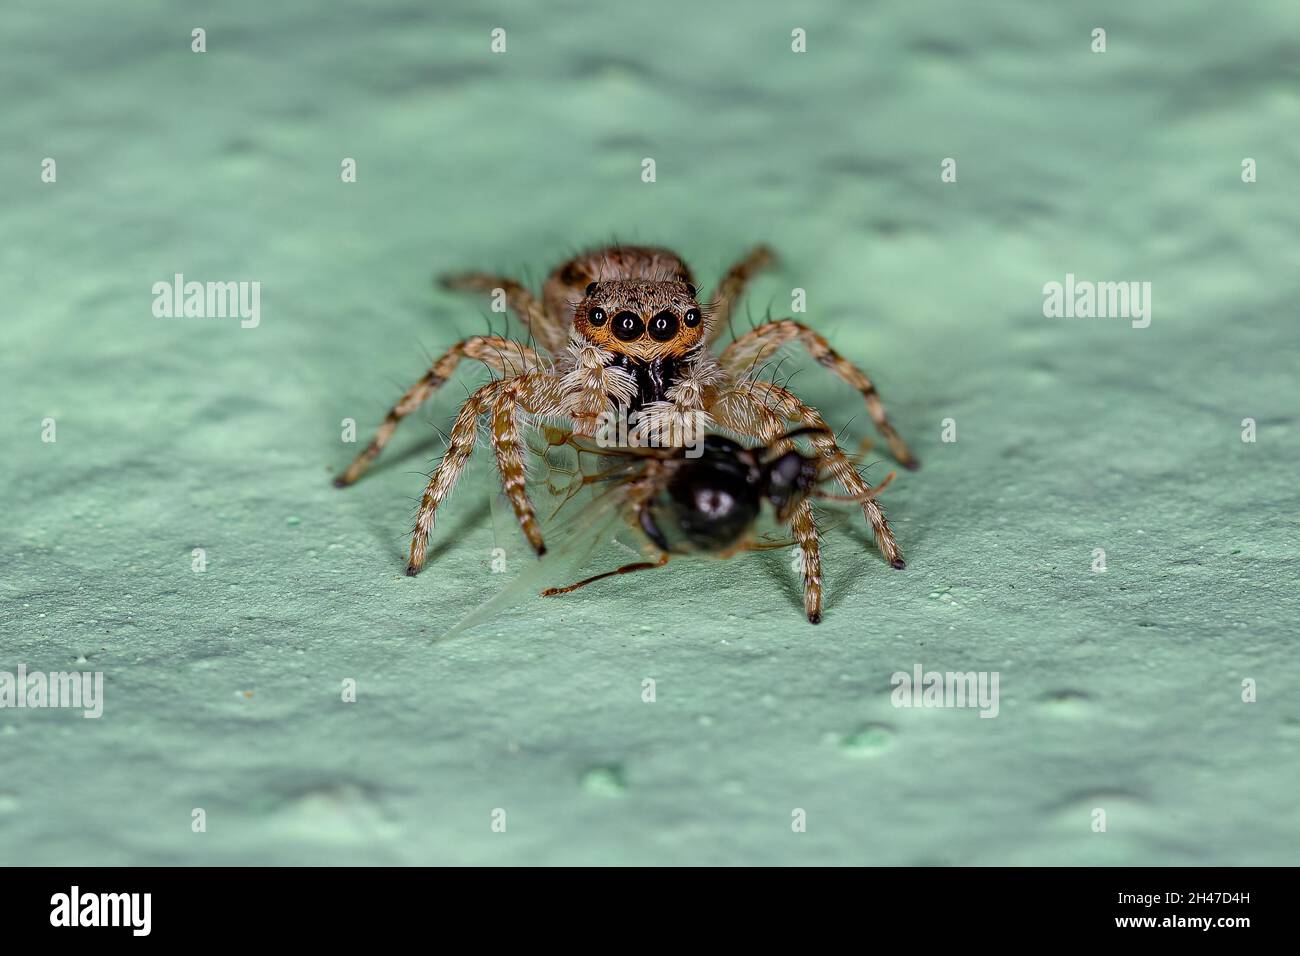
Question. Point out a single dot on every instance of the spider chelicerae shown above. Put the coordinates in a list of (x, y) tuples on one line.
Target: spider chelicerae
[(622, 331)]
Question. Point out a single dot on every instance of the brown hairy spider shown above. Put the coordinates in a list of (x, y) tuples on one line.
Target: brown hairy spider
[(621, 331)]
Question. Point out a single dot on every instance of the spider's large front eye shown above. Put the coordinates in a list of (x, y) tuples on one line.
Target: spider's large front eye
[(628, 326), (596, 316), (692, 318), (663, 327)]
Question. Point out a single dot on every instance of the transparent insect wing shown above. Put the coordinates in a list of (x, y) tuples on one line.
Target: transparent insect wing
[(579, 519)]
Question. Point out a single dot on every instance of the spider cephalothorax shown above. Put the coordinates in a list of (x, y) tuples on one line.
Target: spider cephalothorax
[(621, 330), (651, 327), (643, 320)]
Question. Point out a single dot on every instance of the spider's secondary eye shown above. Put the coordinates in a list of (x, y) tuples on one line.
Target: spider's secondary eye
[(596, 316), (591, 288), (663, 327), (692, 318), (628, 326)]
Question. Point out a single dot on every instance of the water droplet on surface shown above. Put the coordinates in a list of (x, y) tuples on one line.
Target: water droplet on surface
[(870, 741), (605, 781)]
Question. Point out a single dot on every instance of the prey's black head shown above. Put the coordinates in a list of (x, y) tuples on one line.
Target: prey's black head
[(790, 478), (716, 498)]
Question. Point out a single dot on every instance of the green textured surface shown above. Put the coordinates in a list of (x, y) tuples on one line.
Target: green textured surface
[(1119, 690)]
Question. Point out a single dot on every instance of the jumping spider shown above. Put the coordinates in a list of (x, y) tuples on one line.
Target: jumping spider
[(621, 330)]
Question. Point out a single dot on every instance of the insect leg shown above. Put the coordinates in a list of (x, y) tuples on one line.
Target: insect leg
[(625, 569)]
